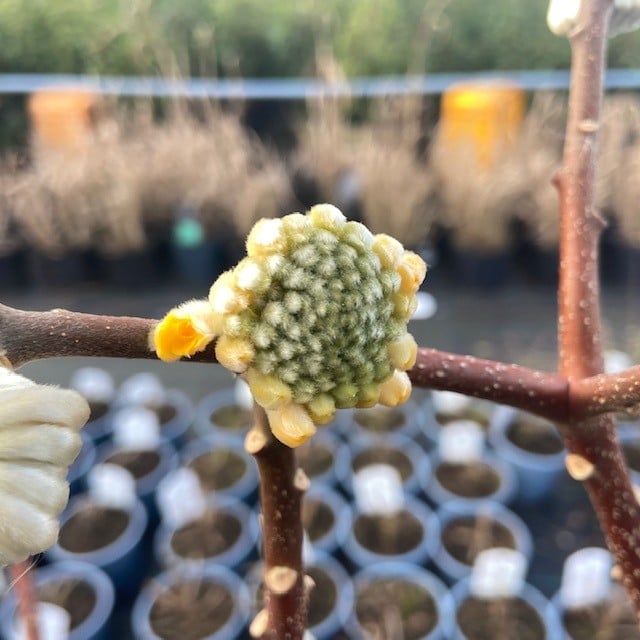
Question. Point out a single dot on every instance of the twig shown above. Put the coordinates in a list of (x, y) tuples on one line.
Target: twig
[(579, 328), (282, 485), (607, 392), (22, 576)]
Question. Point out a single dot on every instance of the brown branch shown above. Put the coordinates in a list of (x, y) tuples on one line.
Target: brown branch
[(33, 335), (22, 575), (606, 392), (282, 485), (545, 394), (579, 326)]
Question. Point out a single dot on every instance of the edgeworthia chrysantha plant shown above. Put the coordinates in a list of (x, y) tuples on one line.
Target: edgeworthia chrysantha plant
[(315, 318), (39, 439)]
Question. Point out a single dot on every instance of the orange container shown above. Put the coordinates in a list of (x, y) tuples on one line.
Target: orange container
[(61, 119), (483, 119)]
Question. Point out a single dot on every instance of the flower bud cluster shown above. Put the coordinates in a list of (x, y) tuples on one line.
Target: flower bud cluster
[(315, 317)]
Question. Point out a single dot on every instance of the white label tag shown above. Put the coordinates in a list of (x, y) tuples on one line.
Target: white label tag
[(54, 623), (143, 389), (113, 486), (378, 490), (586, 578), (180, 497), (461, 441), (450, 402), (136, 428), (498, 573), (95, 384)]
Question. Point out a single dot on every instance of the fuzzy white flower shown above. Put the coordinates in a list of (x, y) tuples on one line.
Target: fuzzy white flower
[(39, 440)]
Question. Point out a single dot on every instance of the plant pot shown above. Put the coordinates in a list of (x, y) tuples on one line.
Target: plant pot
[(81, 466), (534, 449), (410, 535), (446, 483), (466, 530), (442, 407), (198, 266), (99, 425), (325, 459), (326, 518), (545, 266), (379, 422), (211, 603), (485, 271), (132, 271), (411, 599), (83, 590), (13, 270), (330, 600), (613, 618), (527, 616), (225, 535), (223, 467), (218, 414), (175, 416), (106, 537), (395, 450), (147, 467)]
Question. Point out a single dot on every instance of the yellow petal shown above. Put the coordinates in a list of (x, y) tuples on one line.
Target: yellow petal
[(395, 390), (388, 250), (412, 270), (176, 336), (291, 424), (322, 408), (235, 354), (403, 352), (326, 216), (268, 391)]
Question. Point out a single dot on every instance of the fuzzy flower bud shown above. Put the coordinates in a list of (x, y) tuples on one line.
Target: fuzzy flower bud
[(315, 318), (39, 440)]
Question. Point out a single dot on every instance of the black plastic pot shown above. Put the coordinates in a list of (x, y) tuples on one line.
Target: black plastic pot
[(133, 271), (200, 265), (122, 558), (14, 270), (224, 517), (485, 271), (210, 586), (92, 620), (69, 269), (237, 475), (399, 590)]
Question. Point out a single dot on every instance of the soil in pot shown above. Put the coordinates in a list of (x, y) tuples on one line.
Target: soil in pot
[(384, 455), (393, 608), (500, 618), (232, 417), (165, 413), (535, 436), (218, 469), (317, 518), (468, 414), (380, 419), (138, 463), (315, 458), (191, 610), (98, 410), (208, 536), (469, 480), (465, 537), (75, 596), (392, 534), (611, 620), (323, 597), (93, 527)]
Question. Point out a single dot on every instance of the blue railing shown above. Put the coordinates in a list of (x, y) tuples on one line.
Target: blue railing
[(297, 88)]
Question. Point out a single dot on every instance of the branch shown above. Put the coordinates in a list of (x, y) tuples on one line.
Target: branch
[(606, 393), (544, 394), (282, 485), (591, 441)]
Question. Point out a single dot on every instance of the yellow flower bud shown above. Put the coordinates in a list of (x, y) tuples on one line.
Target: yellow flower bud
[(322, 408), (249, 276), (403, 352), (266, 237), (395, 390), (178, 335), (412, 270), (368, 396), (268, 391), (235, 354), (326, 216), (291, 424), (388, 250), (402, 304), (225, 297)]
